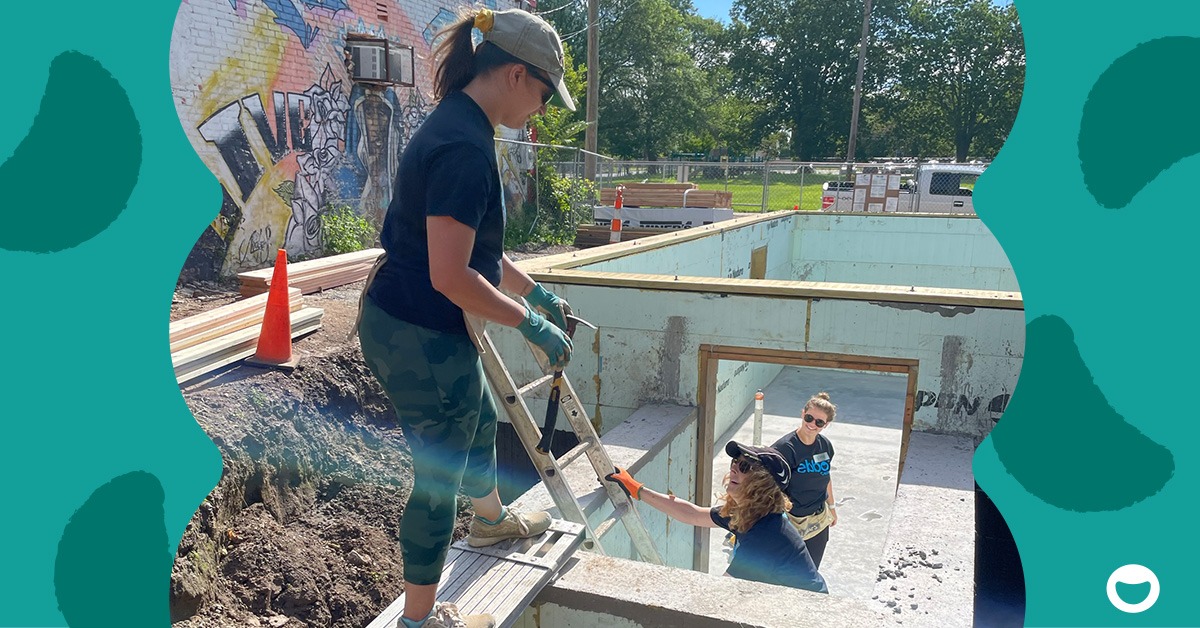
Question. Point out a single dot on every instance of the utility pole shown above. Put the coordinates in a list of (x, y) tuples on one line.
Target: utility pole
[(593, 89), (862, 62)]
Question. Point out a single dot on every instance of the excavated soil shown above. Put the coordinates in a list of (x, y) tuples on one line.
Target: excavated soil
[(302, 529)]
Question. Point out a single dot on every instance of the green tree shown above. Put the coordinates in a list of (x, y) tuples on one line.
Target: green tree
[(958, 69), (652, 94), (795, 60), (561, 202)]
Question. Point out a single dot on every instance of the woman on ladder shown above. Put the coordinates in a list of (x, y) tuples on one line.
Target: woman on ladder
[(443, 239)]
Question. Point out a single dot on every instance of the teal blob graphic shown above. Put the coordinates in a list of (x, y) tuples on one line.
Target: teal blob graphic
[(1139, 119), (57, 196), (1062, 440), (114, 559)]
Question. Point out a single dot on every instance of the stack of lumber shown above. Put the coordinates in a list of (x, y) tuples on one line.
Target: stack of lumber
[(588, 236), (666, 195), (314, 275), (224, 335)]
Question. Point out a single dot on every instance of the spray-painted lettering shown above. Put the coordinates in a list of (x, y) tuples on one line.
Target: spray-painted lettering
[(961, 404)]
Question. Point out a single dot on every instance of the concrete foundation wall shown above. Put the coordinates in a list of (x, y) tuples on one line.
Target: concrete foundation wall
[(899, 250), (724, 254), (658, 445), (648, 347), (736, 385)]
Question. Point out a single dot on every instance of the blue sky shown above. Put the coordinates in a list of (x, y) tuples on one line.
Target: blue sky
[(715, 9)]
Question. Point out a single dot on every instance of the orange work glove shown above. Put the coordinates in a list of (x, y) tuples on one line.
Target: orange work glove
[(631, 486)]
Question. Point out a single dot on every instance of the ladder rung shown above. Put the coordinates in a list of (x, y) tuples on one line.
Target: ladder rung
[(527, 388), (611, 520), (575, 452)]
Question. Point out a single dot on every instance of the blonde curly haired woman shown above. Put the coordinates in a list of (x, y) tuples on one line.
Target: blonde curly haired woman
[(768, 549)]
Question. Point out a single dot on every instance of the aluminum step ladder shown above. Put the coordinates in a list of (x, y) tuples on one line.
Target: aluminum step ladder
[(512, 397)]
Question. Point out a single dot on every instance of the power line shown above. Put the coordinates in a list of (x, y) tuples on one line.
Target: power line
[(565, 6)]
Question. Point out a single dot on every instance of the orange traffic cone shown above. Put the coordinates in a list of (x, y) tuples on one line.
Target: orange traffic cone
[(275, 339)]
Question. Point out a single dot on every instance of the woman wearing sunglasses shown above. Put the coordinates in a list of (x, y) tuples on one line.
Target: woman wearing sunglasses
[(809, 455), (444, 240), (768, 548)]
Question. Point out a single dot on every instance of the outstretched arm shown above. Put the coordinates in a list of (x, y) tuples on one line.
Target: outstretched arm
[(680, 509)]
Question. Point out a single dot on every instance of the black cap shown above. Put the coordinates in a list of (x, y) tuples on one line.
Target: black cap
[(770, 459)]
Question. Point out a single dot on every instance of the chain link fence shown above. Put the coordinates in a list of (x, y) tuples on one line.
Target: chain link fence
[(754, 186)]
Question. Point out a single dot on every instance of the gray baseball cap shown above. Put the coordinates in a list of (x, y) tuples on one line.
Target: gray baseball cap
[(532, 40)]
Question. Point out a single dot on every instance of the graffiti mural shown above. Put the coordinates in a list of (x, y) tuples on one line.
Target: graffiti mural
[(289, 17), (266, 101), (326, 113), (516, 162)]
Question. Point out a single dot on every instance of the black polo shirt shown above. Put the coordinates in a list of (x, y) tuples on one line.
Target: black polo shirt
[(448, 169)]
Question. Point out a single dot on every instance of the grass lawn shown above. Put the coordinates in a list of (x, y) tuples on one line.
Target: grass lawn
[(784, 191)]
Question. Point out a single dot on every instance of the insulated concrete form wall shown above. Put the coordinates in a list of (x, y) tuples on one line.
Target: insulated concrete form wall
[(723, 255), (968, 342), (736, 384), (647, 349), (906, 250)]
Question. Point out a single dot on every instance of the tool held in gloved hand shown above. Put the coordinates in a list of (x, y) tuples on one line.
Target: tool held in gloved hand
[(556, 391)]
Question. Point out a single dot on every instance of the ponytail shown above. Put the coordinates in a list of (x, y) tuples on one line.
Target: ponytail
[(454, 55), (457, 59)]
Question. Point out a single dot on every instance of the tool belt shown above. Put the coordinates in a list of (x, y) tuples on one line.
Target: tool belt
[(811, 525), (362, 298)]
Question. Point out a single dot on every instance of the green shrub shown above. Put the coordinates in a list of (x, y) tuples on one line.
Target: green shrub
[(344, 231)]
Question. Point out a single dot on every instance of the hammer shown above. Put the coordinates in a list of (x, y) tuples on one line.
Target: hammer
[(556, 391)]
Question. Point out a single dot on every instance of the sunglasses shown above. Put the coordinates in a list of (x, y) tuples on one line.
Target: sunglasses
[(808, 418), (545, 81), (743, 464)]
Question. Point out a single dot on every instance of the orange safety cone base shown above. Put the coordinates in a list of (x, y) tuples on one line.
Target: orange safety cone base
[(288, 366)]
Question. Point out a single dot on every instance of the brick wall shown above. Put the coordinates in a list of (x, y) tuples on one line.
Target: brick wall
[(264, 96)]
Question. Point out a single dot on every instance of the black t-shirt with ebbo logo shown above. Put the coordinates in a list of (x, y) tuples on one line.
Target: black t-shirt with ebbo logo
[(810, 471)]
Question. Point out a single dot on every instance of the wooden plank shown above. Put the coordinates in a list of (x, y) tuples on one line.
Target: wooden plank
[(669, 198), (1005, 300), (195, 361), (231, 322), (367, 256), (659, 186), (315, 282), (597, 235), (209, 319)]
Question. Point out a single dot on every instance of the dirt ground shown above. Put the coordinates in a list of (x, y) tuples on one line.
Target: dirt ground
[(302, 529)]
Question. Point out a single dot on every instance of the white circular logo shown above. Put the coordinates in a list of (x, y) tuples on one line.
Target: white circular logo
[(1132, 574)]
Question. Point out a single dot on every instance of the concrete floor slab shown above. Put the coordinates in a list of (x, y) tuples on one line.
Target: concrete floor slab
[(866, 438), (929, 574)]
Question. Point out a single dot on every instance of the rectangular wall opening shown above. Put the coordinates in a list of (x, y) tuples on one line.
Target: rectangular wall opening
[(875, 398)]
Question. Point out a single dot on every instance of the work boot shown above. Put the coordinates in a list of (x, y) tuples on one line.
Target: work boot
[(446, 615), (512, 525)]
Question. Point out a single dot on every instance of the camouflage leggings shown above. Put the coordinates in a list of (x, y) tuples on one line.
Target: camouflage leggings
[(435, 381)]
